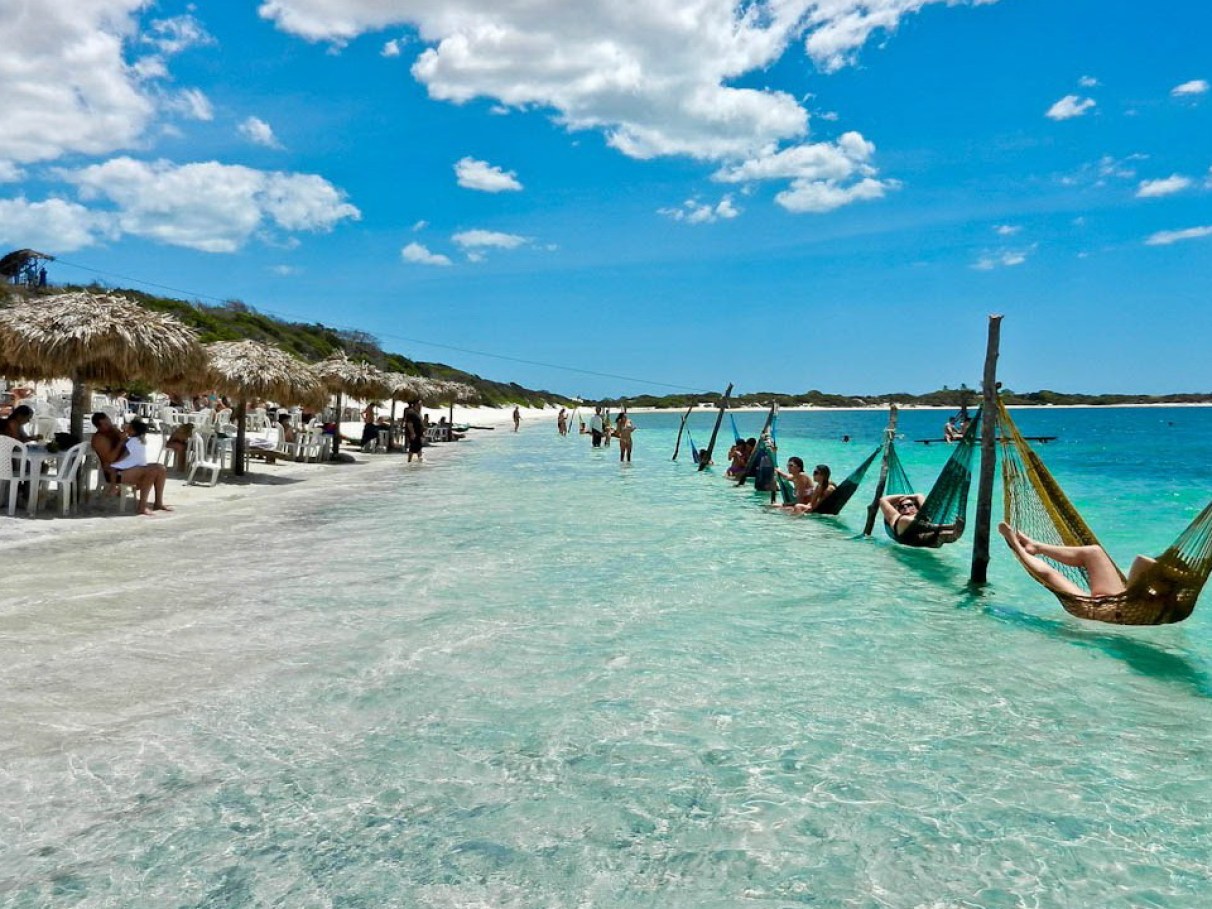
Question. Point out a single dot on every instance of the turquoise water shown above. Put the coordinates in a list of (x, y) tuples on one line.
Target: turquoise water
[(524, 676)]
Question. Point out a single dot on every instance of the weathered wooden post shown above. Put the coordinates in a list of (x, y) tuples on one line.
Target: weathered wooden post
[(984, 491), (753, 455), (705, 457), (889, 434), (678, 444)]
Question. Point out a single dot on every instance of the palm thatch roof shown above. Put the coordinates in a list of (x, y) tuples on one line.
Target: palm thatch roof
[(12, 263), (96, 338), (447, 392), (356, 378), (251, 369), (406, 387)]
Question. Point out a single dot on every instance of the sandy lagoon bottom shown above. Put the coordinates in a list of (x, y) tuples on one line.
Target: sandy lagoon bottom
[(527, 677)]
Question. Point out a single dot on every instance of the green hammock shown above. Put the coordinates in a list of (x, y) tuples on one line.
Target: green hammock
[(1163, 593), (836, 500), (942, 516)]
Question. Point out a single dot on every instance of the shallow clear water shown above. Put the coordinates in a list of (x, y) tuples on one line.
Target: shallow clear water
[(526, 676)]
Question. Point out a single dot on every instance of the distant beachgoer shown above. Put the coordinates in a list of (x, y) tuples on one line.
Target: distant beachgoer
[(596, 425), (845, 438), (1104, 577), (132, 469), (623, 428), (738, 456), (800, 481), (822, 488), (414, 430), (42, 277), (900, 514), (517, 418), (562, 422), (370, 425), (286, 431)]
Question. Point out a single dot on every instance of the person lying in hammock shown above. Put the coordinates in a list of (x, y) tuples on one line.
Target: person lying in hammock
[(1105, 580), (822, 488), (900, 514)]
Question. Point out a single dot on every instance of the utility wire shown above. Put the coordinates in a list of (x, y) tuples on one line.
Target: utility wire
[(394, 337)]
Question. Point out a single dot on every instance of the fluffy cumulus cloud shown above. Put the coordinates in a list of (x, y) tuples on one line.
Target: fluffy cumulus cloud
[(658, 77), (692, 211), (257, 131), (420, 254), (488, 239), (54, 225), (1187, 89), (1152, 189), (1167, 237), (1006, 258), (473, 174), (10, 172), (1069, 107), (82, 77), (206, 206)]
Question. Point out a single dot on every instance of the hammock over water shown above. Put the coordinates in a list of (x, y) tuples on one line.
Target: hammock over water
[(842, 493), (1165, 592), (942, 516)]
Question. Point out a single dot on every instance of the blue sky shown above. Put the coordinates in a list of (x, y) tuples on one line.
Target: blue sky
[(787, 194)]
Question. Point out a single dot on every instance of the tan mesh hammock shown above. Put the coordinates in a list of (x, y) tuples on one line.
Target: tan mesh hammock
[(1163, 593)]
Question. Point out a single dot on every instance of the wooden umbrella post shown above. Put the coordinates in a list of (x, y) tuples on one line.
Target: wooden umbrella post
[(80, 395), (984, 492), (336, 438), (237, 466), (889, 434), (705, 458), (678, 444)]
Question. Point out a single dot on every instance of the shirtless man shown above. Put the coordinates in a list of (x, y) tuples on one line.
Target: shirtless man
[(128, 463), (107, 441)]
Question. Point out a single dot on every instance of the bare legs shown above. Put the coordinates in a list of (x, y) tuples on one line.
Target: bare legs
[(145, 480), (1104, 577)]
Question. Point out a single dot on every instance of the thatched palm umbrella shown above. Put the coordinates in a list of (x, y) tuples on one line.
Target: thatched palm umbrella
[(343, 376), (452, 393), (250, 369), (94, 338)]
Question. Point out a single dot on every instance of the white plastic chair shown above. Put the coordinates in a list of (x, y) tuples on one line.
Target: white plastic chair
[(64, 478), (198, 461), (12, 450)]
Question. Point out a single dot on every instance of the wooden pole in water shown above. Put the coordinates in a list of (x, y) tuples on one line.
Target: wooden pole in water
[(705, 458), (677, 445), (889, 434), (984, 492)]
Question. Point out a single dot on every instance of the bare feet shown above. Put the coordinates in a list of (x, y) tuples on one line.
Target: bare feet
[(162, 507), (1017, 539), (146, 512)]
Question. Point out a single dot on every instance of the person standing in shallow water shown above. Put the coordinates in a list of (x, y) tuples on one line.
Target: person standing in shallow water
[(562, 422), (414, 430), (595, 427), (623, 428), (517, 418)]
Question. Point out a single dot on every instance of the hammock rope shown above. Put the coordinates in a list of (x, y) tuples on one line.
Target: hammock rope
[(1162, 593), (833, 503), (942, 517)]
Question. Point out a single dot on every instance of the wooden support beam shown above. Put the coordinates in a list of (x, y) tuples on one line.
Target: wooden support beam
[(889, 434), (984, 492), (678, 444), (705, 458)]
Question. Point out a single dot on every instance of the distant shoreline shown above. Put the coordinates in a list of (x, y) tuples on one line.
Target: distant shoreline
[(929, 407)]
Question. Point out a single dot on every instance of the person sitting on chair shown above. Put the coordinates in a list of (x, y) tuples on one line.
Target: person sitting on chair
[(1104, 577), (14, 424), (132, 468), (178, 444), (900, 514)]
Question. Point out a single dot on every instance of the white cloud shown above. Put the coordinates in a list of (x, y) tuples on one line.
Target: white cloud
[(1194, 87), (1007, 230), (284, 271), (178, 33), (1151, 189), (473, 174), (415, 252), (1069, 107), (657, 78), (10, 172), (817, 197), (191, 103), (420, 225), (1207, 180), (694, 212), (257, 131), (1088, 82), (80, 78), (391, 48), (209, 206), (488, 238), (1166, 237), (1006, 258), (473, 256), (54, 225)]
